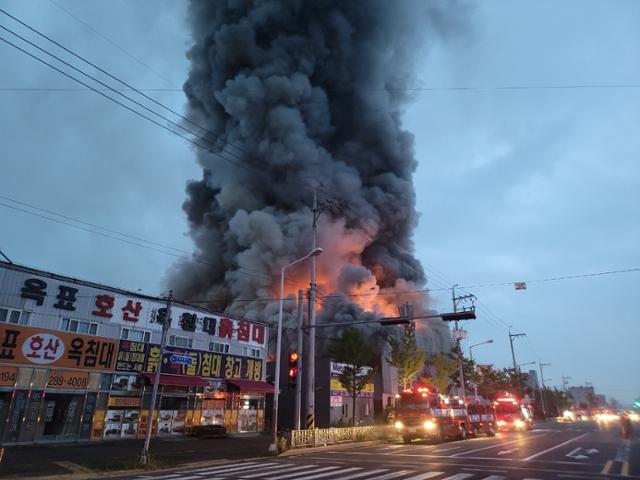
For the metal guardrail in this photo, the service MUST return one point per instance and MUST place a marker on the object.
(329, 436)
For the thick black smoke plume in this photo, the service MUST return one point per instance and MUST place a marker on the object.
(306, 93)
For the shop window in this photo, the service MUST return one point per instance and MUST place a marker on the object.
(182, 342)
(251, 352)
(10, 315)
(70, 325)
(135, 335)
(219, 347)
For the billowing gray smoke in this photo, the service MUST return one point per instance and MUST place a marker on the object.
(306, 93)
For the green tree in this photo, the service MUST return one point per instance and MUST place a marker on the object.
(492, 382)
(351, 349)
(443, 371)
(406, 356)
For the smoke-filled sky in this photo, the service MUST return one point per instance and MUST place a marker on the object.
(511, 184)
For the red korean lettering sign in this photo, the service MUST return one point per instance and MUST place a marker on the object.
(49, 348)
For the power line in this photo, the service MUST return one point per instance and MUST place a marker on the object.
(119, 47)
(124, 240)
(5, 257)
(386, 89)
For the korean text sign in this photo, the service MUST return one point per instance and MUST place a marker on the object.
(48, 348)
(137, 357)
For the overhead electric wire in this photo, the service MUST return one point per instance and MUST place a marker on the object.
(122, 49)
(470, 88)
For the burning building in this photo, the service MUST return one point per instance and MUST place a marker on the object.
(291, 98)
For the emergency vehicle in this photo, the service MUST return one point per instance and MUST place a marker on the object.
(421, 413)
(512, 414)
(482, 417)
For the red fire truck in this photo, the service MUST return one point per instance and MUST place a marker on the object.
(482, 417)
(421, 413)
(512, 414)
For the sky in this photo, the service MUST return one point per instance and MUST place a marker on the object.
(513, 184)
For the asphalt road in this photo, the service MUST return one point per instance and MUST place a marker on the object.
(555, 451)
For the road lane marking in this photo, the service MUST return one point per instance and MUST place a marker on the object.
(283, 468)
(327, 474)
(494, 477)
(361, 474)
(536, 455)
(162, 477)
(447, 449)
(625, 469)
(423, 476)
(218, 467)
(607, 467)
(391, 475)
(317, 470)
(494, 446)
(459, 476)
(238, 470)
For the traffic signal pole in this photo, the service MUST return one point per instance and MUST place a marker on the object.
(298, 402)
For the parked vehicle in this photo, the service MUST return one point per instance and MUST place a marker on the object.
(421, 413)
(482, 417)
(512, 414)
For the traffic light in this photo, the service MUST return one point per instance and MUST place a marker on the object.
(292, 374)
(464, 315)
(394, 321)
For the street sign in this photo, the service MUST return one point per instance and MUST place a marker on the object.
(181, 360)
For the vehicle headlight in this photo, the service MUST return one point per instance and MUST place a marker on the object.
(519, 423)
(501, 423)
(634, 417)
(398, 425)
(429, 425)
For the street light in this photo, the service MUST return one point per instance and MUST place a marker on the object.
(476, 345)
(525, 364)
(276, 391)
(475, 385)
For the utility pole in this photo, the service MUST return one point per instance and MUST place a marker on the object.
(458, 338)
(165, 319)
(540, 365)
(297, 409)
(311, 361)
(513, 355)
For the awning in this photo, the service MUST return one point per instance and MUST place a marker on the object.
(177, 380)
(251, 386)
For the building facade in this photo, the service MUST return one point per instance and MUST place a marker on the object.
(78, 361)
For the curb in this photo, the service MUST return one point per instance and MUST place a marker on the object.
(137, 471)
(336, 446)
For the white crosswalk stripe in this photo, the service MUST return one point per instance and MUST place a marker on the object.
(217, 468)
(391, 475)
(331, 474)
(362, 474)
(293, 475)
(283, 468)
(238, 469)
(424, 476)
(292, 470)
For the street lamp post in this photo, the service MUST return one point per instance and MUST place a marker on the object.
(475, 386)
(276, 390)
(477, 345)
(164, 317)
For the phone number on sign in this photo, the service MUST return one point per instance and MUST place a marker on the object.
(62, 380)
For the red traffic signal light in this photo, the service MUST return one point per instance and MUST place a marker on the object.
(293, 372)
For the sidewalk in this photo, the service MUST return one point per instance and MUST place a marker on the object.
(87, 459)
